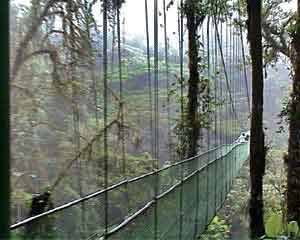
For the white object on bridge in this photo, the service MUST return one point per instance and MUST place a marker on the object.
(244, 137)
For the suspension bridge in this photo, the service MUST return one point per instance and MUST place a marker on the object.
(178, 197)
(189, 193)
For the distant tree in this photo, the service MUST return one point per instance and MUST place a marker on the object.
(198, 104)
(194, 16)
(257, 147)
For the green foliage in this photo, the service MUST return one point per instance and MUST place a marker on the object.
(218, 229)
(290, 104)
(15, 236)
(274, 200)
(206, 107)
(235, 210)
(275, 182)
(274, 225)
(293, 229)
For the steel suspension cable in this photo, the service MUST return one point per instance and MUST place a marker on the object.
(225, 72)
(122, 130)
(234, 84)
(231, 75)
(75, 110)
(239, 74)
(232, 62)
(219, 94)
(221, 104)
(215, 55)
(156, 107)
(244, 68)
(203, 105)
(121, 92)
(215, 87)
(208, 93)
(149, 78)
(92, 64)
(182, 142)
(113, 42)
(223, 116)
(228, 115)
(167, 79)
(105, 111)
(226, 107)
(156, 116)
(225, 95)
(221, 90)
(239, 82)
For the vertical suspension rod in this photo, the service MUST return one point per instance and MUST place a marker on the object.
(167, 78)
(182, 118)
(149, 78)
(105, 110)
(156, 114)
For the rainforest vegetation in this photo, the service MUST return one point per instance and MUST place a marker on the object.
(183, 112)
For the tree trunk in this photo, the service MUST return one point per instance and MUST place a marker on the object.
(293, 160)
(193, 127)
(257, 149)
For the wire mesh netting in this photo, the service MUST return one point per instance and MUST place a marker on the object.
(195, 214)
(190, 193)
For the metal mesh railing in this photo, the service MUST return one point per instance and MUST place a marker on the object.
(189, 194)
